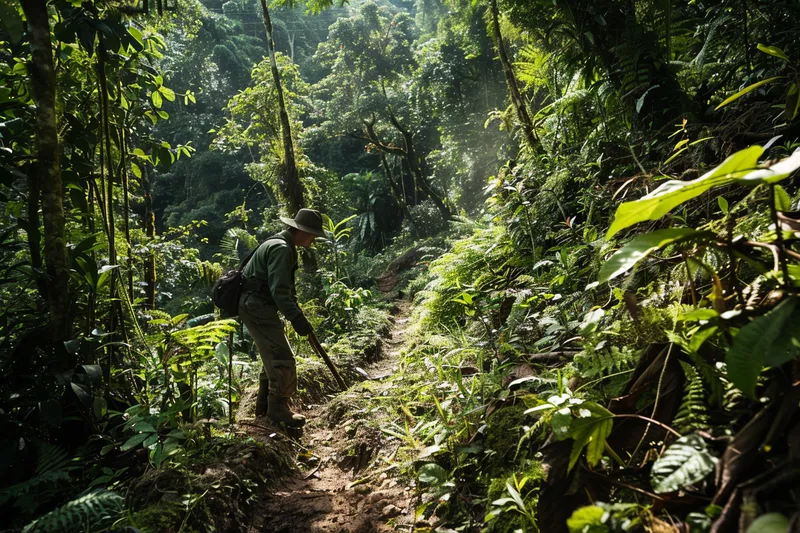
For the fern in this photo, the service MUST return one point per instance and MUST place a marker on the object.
(604, 362)
(85, 513)
(51, 468)
(236, 244)
(693, 412)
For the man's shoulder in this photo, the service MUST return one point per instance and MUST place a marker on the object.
(276, 241)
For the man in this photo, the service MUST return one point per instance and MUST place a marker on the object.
(269, 287)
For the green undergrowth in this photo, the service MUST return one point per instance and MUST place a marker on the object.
(217, 494)
(362, 345)
(529, 398)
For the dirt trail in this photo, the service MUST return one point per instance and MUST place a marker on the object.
(341, 488)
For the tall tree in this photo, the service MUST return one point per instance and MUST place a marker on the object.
(46, 174)
(520, 106)
(291, 186)
(370, 61)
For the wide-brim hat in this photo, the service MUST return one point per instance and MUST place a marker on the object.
(308, 220)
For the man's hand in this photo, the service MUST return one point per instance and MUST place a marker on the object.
(301, 325)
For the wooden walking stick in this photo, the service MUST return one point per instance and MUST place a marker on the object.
(314, 342)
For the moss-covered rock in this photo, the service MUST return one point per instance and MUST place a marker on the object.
(163, 518)
(504, 429)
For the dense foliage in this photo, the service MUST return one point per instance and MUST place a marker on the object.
(592, 204)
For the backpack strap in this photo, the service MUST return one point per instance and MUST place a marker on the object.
(246, 260)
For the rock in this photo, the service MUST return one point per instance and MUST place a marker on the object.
(390, 511)
(377, 496)
(362, 489)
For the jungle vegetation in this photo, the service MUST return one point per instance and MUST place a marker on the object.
(593, 207)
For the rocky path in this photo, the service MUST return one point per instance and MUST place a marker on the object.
(342, 488)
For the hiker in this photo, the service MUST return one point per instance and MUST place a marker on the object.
(268, 288)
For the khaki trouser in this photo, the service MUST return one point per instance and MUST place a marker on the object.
(267, 330)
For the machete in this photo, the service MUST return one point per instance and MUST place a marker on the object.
(312, 340)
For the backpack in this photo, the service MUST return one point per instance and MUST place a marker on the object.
(228, 288)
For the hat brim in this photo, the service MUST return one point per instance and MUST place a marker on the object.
(302, 227)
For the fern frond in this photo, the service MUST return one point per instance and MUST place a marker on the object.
(236, 244)
(51, 467)
(50, 458)
(84, 513)
(693, 412)
(604, 362)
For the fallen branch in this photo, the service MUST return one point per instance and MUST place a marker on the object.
(551, 357)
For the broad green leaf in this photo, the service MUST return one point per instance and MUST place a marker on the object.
(167, 93)
(696, 315)
(590, 427)
(699, 337)
(157, 100)
(105, 274)
(684, 463)
(640, 101)
(723, 204)
(515, 495)
(585, 517)
(134, 441)
(747, 354)
(626, 257)
(775, 173)
(786, 347)
(144, 427)
(769, 523)
(773, 51)
(560, 422)
(793, 100)
(748, 89)
(10, 20)
(136, 170)
(430, 450)
(783, 202)
(432, 473)
(137, 35)
(674, 192)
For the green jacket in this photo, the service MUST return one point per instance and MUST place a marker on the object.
(270, 273)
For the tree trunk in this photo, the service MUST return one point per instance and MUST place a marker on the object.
(48, 169)
(517, 101)
(413, 163)
(398, 194)
(150, 231)
(33, 233)
(291, 187)
(123, 172)
(116, 312)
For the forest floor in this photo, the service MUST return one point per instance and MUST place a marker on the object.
(339, 487)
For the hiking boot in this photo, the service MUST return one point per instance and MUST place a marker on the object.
(278, 411)
(263, 397)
